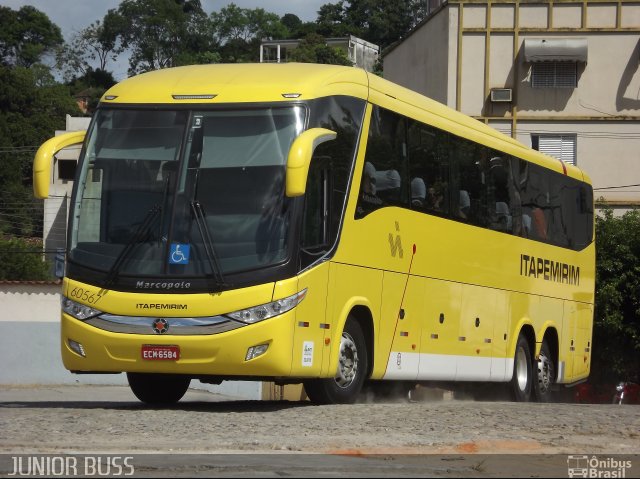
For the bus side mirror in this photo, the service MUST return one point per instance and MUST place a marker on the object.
(300, 158)
(44, 157)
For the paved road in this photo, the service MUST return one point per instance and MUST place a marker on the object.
(255, 438)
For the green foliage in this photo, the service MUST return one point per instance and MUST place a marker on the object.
(164, 33)
(616, 334)
(26, 35)
(313, 49)
(239, 31)
(381, 22)
(32, 107)
(91, 85)
(292, 23)
(99, 42)
(22, 260)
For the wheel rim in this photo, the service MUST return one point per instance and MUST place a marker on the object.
(348, 361)
(544, 373)
(522, 373)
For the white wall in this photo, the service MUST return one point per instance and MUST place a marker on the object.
(30, 343)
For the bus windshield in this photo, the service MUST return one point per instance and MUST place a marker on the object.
(179, 193)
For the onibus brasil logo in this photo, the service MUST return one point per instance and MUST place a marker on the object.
(585, 466)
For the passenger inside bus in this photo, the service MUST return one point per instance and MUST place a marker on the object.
(464, 204)
(418, 193)
(388, 185)
(436, 197)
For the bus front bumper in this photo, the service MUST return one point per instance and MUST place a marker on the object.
(86, 348)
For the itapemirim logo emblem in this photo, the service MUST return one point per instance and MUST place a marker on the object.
(594, 466)
(396, 243)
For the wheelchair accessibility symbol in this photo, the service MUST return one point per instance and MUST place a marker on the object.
(179, 253)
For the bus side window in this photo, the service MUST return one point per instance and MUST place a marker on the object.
(466, 181)
(344, 116)
(559, 217)
(317, 208)
(429, 169)
(498, 183)
(583, 226)
(384, 179)
(518, 219)
(535, 201)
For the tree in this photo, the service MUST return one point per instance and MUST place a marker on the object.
(291, 22)
(32, 107)
(333, 21)
(26, 35)
(91, 85)
(314, 49)
(239, 31)
(22, 260)
(92, 48)
(616, 332)
(165, 33)
(381, 22)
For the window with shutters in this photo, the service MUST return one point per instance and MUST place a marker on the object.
(554, 75)
(562, 147)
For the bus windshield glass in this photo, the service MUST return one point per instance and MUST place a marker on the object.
(183, 193)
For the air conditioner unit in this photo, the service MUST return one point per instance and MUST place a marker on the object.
(501, 95)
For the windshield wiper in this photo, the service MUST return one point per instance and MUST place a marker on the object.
(207, 242)
(140, 235)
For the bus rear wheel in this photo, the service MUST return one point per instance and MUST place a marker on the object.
(158, 388)
(522, 379)
(546, 375)
(345, 387)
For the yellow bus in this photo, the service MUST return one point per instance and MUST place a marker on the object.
(317, 224)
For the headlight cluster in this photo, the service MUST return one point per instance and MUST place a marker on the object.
(269, 310)
(247, 316)
(77, 310)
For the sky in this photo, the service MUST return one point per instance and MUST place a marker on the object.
(74, 15)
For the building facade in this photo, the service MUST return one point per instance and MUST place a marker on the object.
(560, 76)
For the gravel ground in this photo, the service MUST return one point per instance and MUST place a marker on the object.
(109, 419)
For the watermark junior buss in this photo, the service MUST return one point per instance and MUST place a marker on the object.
(68, 466)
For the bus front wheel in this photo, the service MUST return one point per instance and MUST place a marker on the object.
(345, 387)
(522, 380)
(158, 388)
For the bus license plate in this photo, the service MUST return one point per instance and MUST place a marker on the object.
(156, 352)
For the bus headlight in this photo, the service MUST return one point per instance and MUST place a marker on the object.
(77, 310)
(269, 310)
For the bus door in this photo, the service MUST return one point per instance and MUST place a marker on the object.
(403, 306)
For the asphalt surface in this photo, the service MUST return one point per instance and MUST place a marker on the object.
(208, 435)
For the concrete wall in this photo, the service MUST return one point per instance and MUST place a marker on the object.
(30, 344)
(608, 84)
(421, 61)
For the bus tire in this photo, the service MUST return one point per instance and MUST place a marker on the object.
(522, 380)
(546, 375)
(345, 387)
(158, 388)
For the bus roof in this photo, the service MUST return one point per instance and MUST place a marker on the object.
(240, 83)
(272, 82)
